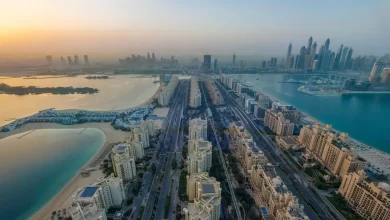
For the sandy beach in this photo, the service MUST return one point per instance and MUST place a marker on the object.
(64, 198)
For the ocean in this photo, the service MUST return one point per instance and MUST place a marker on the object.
(365, 117)
(35, 166)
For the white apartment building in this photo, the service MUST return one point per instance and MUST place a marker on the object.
(87, 211)
(198, 128)
(139, 132)
(195, 94)
(107, 192)
(199, 156)
(123, 163)
(204, 195)
(167, 92)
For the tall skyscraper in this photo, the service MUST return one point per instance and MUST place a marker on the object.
(86, 60)
(215, 64)
(289, 50)
(348, 62)
(148, 57)
(206, 63)
(301, 60)
(343, 57)
(331, 61)
(288, 55)
(234, 60)
(327, 44)
(314, 48)
(309, 45)
(312, 54)
(321, 55)
(153, 58)
(70, 62)
(63, 62)
(49, 60)
(76, 60)
(326, 60)
(336, 64)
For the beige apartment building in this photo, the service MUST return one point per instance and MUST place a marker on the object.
(198, 128)
(272, 194)
(332, 150)
(244, 146)
(199, 156)
(204, 196)
(369, 199)
(215, 95)
(195, 94)
(278, 123)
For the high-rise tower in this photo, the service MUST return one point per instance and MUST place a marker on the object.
(289, 50)
(86, 60)
(234, 60)
(343, 57)
(348, 62)
(309, 45)
(327, 43)
(336, 64)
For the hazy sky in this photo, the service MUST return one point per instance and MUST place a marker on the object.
(258, 27)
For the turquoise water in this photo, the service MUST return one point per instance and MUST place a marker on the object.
(34, 168)
(365, 116)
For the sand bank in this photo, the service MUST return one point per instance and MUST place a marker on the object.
(64, 198)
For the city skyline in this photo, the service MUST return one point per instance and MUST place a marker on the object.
(99, 27)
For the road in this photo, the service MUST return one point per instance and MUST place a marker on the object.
(162, 179)
(314, 208)
(222, 159)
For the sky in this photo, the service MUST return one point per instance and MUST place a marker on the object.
(254, 27)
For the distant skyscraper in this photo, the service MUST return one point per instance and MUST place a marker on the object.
(133, 57)
(206, 63)
(327, 44)
(173, 60)
(314, 48)
(70, 62)
(326, 60)
(331, 61)
(289, 50)
(321, 55)
(315, 65)
(234, 60)
(377, 69)
(76, 60)
(348, 62)
(148, 57)
(86, 60)
(242, 65)
(49, 60)
(343, 57)
(63, 62)
(153, 58)
(309, 45)
(336, 65)
(301, 60)
(288, 55)
(263, 63)
(312, 54)
(215, 64)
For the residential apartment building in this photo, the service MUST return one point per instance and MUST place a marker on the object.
(139, 133)
(204, 196)
(91, 202)
(199, 156)
(271, 192)
(215, 95)
(195, 94)
(278, 123)
(198, 128)
(168, 91)
(369, 199)
(332, 150)
(244, 146)
(288, 111)
(122, 162)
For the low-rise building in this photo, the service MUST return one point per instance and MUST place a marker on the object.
(369, 199)
(288, 143)
(204, 196)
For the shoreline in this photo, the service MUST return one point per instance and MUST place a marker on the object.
(374, 156)
(63, 198)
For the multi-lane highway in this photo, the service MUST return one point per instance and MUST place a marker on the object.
(162, 178)
(314, 207)
(222, 159)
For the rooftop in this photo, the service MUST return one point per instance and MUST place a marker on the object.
(89, 191)
(340, 144)
(208, 188)
(289, 140)
(120, 148)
